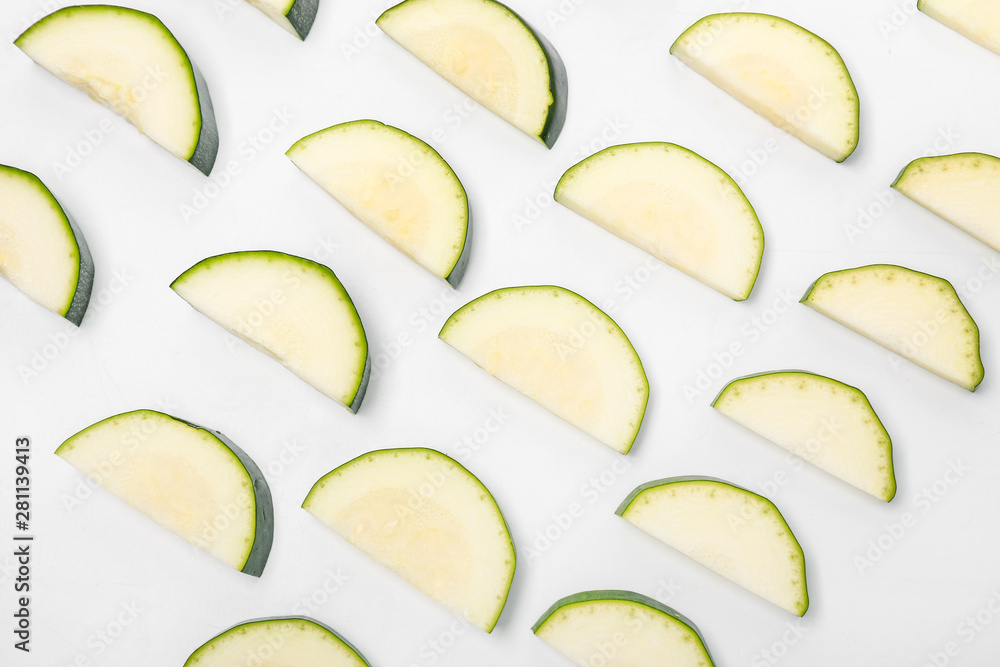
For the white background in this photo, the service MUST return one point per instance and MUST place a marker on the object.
(141, 346)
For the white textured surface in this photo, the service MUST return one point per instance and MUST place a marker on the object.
(142, 346)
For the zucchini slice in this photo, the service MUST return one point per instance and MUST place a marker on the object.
(964, 189)
(429, 520)
(190, 480)
(825, 422)
(397, 185)
(916, 315)
(130, 62)
(295, 16)
(675, 205)
(292, 309)
(561, 351)
(623, 628)
(277, 642)
(782, 71)
(491, 54)
(726, 528)
(42, 251)
(978, 20)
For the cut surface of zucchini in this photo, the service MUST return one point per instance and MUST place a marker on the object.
(294, 641)
(491, 54)
(130, 62)
(782, 71)
(825, 422)
(978, 20)
(42, 251)
(675, 205)
(190, 480)
(621, 628)
(561, 351)
(428, 519)
(916, 315)
(730, 530)
(964, 189)
(397, 185)
(293, 309)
